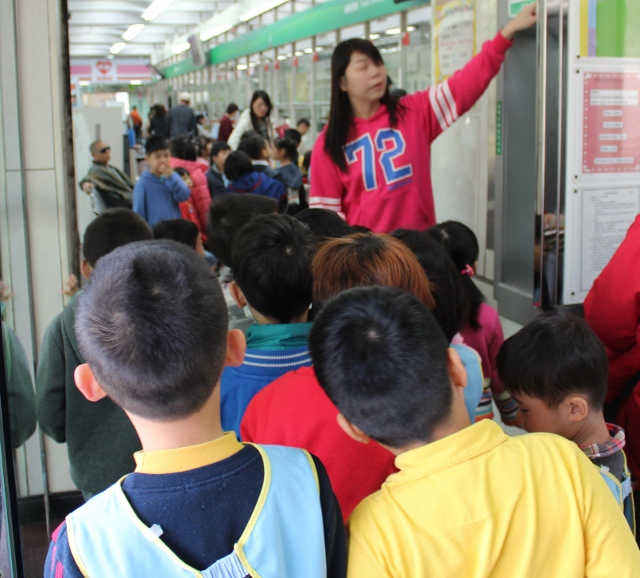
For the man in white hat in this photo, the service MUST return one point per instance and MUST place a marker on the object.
(182, 120)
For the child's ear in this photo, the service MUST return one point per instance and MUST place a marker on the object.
(351, 430)
(457, 372)
(236, 346)
(87, 384)
(85, 269)
(578, 408)
(238, 295)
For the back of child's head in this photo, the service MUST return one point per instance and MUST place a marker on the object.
(218, 147)
(451, 302)
(183, 147)
(154, 144)
(112, 229)
(290, 149)
(182, 172)
(462, 245)
(203, 145)
(381, 357)
(555, 355)
(179, 230)
(152, 325)
(228, 214)
(366, 259)
(253, 147)
(324, 224)
(272, 266)
(293, 135)
(237, 165)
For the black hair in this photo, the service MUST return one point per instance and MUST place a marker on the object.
(304, 121)
(156, 343)
(155, 143)
(159, 111)
(199, 117)
(462, 245)
(290, 149)
(255, 121)
(182, 172)
(232, 108)
(253, 146)
(179, 230)
(228, 214)
(341, 123)
(324, 224)
(452, 306)
(399, 92)
(112, 229)
(554, 356)
(203, 143)
(382, 359)
(183, 147)
(218, 147)
(294, 135)
(360, 229)
(237, 165)
(272, 266)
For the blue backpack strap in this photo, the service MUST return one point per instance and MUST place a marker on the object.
(622, 493)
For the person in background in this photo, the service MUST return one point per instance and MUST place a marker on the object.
(159, 191)
(227, 122)
(136, 120)
(243, 178)
(180, 231)
(257, 118)
(182, 120)
(272, 283)
(215, 175)
(152, 326)
(288, 173)
(158, 121)
(204, 151)
(556, 369)
(184, 153)
(468, 500)
(483, 331)
(324, 225)
(201, 121)
(186, 207)
(303, 126)
(100, 438)
(256, 148)
(294, 135)
(113, 186)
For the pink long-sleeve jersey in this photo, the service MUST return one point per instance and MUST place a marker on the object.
(388, 183)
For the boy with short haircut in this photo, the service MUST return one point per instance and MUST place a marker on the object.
(100, 438)
(255, 147)
(556, 369)
(181, 231)
(273, 283)
(215, 174)
(536, 507)
(199, 502)
(159, 190)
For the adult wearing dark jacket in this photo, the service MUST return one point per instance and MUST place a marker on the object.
(114, 187)
(182, 120)
(158, 121)
(219, 153)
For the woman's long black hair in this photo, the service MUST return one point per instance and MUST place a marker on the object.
(462, 245)
(255, 121)
(341, 115)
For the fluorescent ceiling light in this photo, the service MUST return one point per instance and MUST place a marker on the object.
(84, 83)
(298, 53)
(241, 67)
(260, 9)
(281, 57)
(374, 36)
(319, 48)
(410, 28)
(133, 31)
(308, 50)
(110, 56)
(117, 47)
(154, 9)
(215, 31)
(393, 31)
(136, 82)
(179, 48)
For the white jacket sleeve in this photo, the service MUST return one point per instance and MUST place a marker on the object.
(243, 125)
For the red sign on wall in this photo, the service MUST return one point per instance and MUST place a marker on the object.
(611, 123)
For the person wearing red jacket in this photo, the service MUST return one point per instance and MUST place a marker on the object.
(372, 161)
(612, 309)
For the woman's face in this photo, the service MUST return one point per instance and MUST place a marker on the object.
(260, 108)
(364, 79)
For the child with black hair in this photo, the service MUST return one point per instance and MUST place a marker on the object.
(483, 332)
(324, 224)
(272, 282)
(187, 207)
(244, 179)
(215, 175)
(294, 135)
(100, 439)
(288, 172)
(256, 148)
(556, 369)
(157, 350)
(468, 499)
(181, 231)
(451, 306)
(159, 190)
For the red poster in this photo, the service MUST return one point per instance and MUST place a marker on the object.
(611, 124)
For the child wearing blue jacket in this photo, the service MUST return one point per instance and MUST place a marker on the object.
(272, 283)
(159, 190)
(243, 178)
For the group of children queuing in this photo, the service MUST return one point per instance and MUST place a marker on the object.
(233, 423)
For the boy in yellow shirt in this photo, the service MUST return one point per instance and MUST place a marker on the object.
(556, 369)
(468, 501)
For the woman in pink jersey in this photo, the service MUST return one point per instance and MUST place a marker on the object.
(371, 163)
